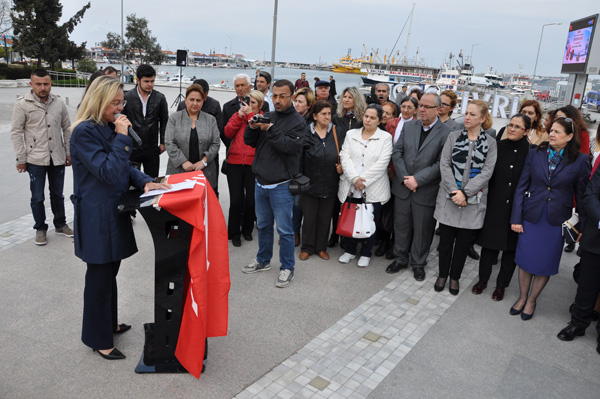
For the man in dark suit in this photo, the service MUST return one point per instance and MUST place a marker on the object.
(416, 160)
(589, 278)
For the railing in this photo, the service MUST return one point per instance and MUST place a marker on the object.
(69, 79)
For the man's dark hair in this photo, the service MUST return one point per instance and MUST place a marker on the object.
(145, 71)
(202, 83)
(266, 75)
(109, 70)
(40, 73)
(284, 83)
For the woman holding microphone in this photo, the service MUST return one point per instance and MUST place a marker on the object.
(100, 149)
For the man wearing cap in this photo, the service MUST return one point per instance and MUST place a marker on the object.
(322, 92)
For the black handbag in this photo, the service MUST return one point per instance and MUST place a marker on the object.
(224, 164)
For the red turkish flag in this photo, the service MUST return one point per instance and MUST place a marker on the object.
(205, 311)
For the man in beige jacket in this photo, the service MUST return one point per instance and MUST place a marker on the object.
(40, 134)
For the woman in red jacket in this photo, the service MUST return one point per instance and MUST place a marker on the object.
(240, 178)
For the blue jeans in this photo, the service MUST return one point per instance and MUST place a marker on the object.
(56, 182)
(275, 205)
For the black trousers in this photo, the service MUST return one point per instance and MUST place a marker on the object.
(454, 245)
(315, 227)
(100, 305)
(240, 180)
(587, 291)
(351, 244)
(335, 216)
(507, 266)
(148, 158)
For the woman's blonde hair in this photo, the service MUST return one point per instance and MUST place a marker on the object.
(258, 96)
(100, 94)
(360, 105)
(485, 113)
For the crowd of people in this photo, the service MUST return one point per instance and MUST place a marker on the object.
(409, 159)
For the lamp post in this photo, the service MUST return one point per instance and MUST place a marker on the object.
(540, 45)
(476, 44)
(274, 41)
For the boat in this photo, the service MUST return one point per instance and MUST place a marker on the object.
(348, 64)
(447, 79)
(495, 80)
(520, 82)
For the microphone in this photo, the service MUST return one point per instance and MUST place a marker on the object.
(132, 133)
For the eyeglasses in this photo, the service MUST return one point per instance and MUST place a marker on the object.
(117, 103)
(568, 120)
(282, 96)
(446, 105)
(427, 106)
(517, 127)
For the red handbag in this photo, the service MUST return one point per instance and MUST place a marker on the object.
(356, 219)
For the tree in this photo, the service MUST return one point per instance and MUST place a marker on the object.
(140, 39)
(5, 19)
(113, 41)
(35, 22)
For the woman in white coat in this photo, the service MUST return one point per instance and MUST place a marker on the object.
(365, 156)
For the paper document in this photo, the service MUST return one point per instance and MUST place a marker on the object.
(186, 185)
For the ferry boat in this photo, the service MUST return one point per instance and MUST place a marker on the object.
(398, 73)
(520, 82)
(447, 79)
(348, 64)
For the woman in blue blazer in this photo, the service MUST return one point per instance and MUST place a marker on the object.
(553, 173)
(100, 149)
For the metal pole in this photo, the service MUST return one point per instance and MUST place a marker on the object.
(476, 44)
(274, 40)
(539, 46)
(122, 49)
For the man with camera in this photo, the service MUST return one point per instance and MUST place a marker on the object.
(278, 138)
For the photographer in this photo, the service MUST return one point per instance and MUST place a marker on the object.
(278, 138)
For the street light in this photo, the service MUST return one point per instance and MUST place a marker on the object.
(540, 45)
(476, 44)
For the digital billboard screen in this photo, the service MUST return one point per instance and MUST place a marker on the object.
(579, 42)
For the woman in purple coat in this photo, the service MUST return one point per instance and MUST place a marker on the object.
(553, 173)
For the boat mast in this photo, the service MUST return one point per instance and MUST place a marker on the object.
(408, 36)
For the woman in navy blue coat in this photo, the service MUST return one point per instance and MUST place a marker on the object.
(100, 149)
(553, 173)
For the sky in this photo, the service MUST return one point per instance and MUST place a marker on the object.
(503, 35)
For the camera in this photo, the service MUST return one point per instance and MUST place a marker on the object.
(246, 100)
(260, 119)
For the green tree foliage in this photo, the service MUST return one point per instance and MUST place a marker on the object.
(113, 41)
(87, 65)
(139, 41)
(35, 22)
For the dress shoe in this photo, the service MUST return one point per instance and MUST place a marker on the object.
(236, 242)
(419, 273)
(395, 267)
(570, 247)
(478, 288)
(303, 255)
(439, 287)
(323, 255)
(381, 249)
(525, 316)
(296, 239)
(498, 294)
(472, 253)
(570, 332)
(453, 291)
(122, 328)
(248, 237)
(514, 311)
(115, 354)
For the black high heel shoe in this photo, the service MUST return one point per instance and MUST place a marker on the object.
(454, 291)
(122, 328)
(439, 288)
(115, 354)
(525, 316)
(514, 312)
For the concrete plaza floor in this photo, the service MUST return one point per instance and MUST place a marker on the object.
(337, 331)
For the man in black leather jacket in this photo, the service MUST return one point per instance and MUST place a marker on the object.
(148, 111)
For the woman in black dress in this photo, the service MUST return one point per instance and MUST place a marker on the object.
(496, 235)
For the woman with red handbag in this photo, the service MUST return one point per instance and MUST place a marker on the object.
(365, 156)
